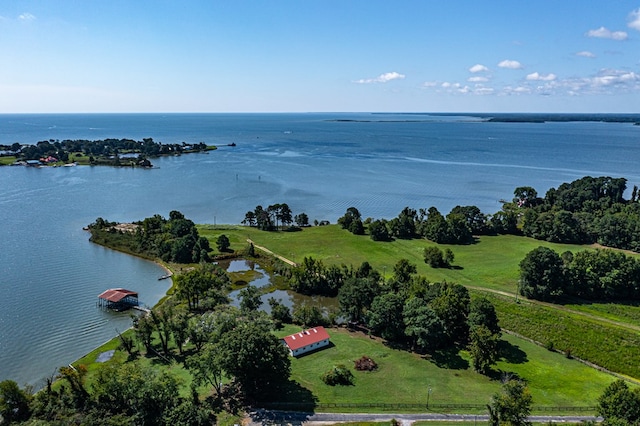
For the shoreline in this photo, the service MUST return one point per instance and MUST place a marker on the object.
(167, 294)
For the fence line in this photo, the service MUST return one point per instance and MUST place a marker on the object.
(301, 406)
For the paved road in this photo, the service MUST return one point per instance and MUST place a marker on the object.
(268, 417)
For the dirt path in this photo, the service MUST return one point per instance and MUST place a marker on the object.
(266, 250)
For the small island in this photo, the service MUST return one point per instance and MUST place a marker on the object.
(107, 152)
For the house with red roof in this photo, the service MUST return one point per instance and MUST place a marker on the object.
(307, 340)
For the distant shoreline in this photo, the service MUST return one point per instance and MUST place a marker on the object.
(507, 118)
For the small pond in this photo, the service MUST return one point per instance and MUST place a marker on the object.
(288, 298)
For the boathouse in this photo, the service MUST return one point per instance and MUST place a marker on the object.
(307, 341)
(118, 299)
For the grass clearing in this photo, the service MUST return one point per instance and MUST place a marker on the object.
(404, 378)
(490, 263)
(493, 264)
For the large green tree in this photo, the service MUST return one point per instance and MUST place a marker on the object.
(14, 402)
(255, 358)
(619, 405)
(542, 275)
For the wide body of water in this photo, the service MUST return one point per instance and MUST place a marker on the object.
(51, 275)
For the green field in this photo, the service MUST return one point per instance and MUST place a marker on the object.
(490, 263)
(404, 378)
(602, 333)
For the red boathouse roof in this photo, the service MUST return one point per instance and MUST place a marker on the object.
(115, 295)
(306, 337)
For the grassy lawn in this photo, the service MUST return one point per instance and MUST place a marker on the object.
(491, 263)
(612, 347)
(404, 377)
(7, 160)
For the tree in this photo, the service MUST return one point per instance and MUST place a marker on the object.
(352, 214)
(483, 313)
(422, 324)
(356, 296)
(542, 274)
(619, 403)
(385, 316)
(451, 304)
(250, 298)
(280, 314)
(483, 348)
(378, 230)
(223, 243)
(403, 269)
(206, 367)
(136, 391)
(249, 219)
(511, 406)
(437, 258)
(255, 357)
(435, 227)
(524, 196)
(301, 219)
(14, 402)
(308, 316)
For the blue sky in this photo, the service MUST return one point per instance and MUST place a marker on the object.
(319, 55)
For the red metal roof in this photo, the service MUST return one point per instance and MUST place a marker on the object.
(116, 294)
(306, 337)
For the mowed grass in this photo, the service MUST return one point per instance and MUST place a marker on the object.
(491, 263)
(404, 377)
(612, 347)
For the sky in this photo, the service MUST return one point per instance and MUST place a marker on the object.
(69, 56)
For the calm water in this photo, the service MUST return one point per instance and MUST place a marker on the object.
(51, 274)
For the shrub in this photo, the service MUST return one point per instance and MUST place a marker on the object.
(338, 375)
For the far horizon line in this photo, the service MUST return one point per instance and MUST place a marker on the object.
(326, 112)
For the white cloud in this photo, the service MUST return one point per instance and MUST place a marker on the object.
(603, 32)
(585, 54)
(616, 78)
(478, 68)
(429, 84)
(513, 65)
(26, 17)
(477, 79)
(540, 77)
(382, 78)
(483, 91)
(634, 20)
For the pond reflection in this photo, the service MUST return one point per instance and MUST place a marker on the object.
(289, 298)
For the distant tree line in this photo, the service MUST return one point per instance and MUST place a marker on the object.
(585, 211)
(173, 240)
(458, 227)
(587, 274)
(99, 150)
(588, 210)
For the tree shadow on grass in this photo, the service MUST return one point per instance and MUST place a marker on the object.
(291, 396)
(512, 353)
(449, 358)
